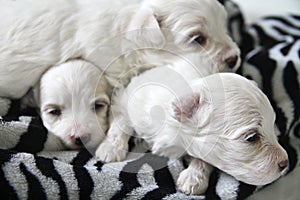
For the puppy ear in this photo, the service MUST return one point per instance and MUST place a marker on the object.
(185, 107)
(144, 30)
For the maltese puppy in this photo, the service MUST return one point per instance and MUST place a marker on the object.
(73, 99)
(120, 37)
(222, 120)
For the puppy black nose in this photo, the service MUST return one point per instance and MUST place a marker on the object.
(283, 164)
(231, 61)
(80, 141)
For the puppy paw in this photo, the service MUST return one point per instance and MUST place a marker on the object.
(192, 182)
(108, 152)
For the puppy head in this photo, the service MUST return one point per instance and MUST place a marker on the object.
(74, 100)
(179, 27)
(231, 125)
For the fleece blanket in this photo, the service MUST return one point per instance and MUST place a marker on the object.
(34, 164)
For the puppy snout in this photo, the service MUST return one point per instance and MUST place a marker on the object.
(231, 61)
(283, 164)
(80, 141)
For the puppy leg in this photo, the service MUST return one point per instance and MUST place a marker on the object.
(115, 145)
(194, 179)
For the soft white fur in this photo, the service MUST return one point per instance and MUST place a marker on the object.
(80, 93)
(120, 37)
(223, 120)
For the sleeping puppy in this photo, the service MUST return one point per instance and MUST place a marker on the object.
(73, 99)
(120, 37)
(222, 120)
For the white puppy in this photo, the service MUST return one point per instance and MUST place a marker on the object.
(117, 36)
(73, 99)
(222, 120)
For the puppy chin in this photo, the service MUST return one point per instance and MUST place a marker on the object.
(258, 177)
(262, 170)
(92, 144)
(70, 145)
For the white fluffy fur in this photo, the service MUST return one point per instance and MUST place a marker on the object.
(73, 98)
(120, 37)
(222, 119)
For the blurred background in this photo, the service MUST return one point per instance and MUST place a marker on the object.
(254, 9)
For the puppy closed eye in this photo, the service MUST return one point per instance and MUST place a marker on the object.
(98, 106)
(252, 138)
(55, 112)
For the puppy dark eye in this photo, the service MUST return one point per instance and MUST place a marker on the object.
(252, 138)
(98, 106)
(200, 39)
(55, 112)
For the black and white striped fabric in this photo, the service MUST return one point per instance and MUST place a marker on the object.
(34, 165)
(274, 63)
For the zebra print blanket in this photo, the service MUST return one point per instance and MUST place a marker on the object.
(272, 59)
(34, 165)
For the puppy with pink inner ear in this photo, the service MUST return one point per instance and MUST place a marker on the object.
(73, 99)
(222, 120)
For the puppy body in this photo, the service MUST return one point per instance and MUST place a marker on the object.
(120, 37)
(222, 119)
(73, 99)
